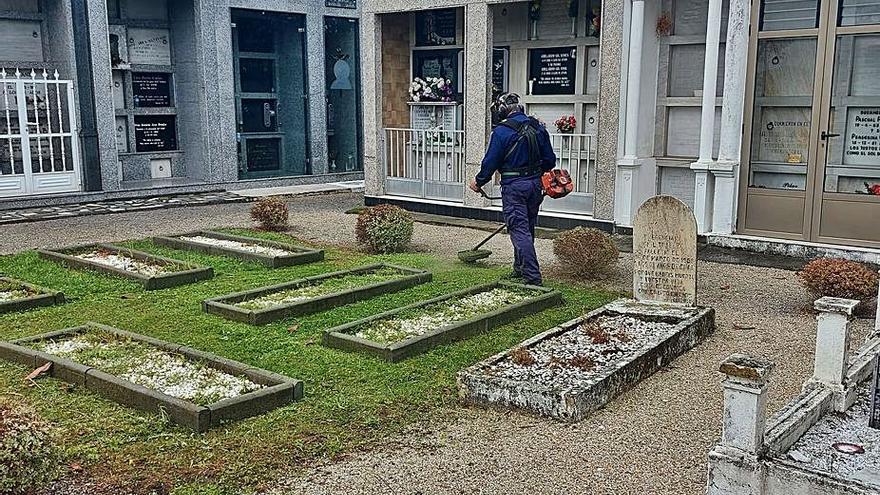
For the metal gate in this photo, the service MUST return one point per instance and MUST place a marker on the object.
(39, 149)
(424, 163)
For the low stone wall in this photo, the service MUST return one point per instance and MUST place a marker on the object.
(341, 338)
(43, 297)
(478, 386)
(190, 274)
(226, 307)
(279, 390)
(300, 255)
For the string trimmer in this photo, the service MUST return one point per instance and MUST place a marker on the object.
(477, 254)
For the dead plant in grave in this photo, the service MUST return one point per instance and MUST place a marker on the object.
(522, 357)
(585, 363)
(598, 334)
(586, 252)
(270, 213)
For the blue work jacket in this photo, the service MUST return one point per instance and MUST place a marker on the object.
(499, 145)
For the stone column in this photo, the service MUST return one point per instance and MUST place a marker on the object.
(745, 402)
(726, 169)
(704, 190)
(832, 341)
(628, 166)
(371, 79)
(102, 81)
(317, 94)
(477, 93)
(608, 112)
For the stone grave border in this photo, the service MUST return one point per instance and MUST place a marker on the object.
(191, 274)
(43, 297)
(573, 404)
(340, 338)
(300, 255)
(225, 305)
(280, 390)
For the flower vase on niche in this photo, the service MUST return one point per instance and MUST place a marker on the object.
(332, 155)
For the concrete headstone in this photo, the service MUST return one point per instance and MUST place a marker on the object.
(665, 252)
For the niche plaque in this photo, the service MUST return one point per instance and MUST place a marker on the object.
(151, 89)
(552, 71)
(155, 133)
(149, 46)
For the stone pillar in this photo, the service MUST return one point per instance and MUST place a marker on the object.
(745, 402)
(877, 317)
(371, 80)
(102, 82)
(608, 112)
(832, 341)
(317, 93)
(726, 169)
(628, 166)
(477, 93)
(704, 190)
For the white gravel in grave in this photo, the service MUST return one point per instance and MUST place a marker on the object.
(12, 295)
(237, 245)
(629, 336)
(814, 451)
(162, 371)
(122, 262)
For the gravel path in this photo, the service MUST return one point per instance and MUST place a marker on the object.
(652, 439)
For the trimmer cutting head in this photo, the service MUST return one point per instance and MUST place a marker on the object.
(474, 255)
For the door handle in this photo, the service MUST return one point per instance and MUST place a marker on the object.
(268, 113)
(825, 135)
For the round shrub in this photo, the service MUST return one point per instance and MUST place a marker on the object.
(28, 456)
(384, 228)
(270, 213)
(836, 277)
(586, 252)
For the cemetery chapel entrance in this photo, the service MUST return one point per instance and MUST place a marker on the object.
(812, 136)
(271, 95)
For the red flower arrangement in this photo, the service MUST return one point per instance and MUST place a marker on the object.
(566, 124)
(873, 190)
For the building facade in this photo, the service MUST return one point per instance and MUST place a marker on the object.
(135, 97)
(762, 115)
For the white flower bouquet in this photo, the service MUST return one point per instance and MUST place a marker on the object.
(431, 89)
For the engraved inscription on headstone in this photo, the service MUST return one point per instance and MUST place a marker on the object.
(665, 252)
(436, 27)
(552, 71)
(149, 46)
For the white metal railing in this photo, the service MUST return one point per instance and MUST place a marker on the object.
(427, 163)
(575, 153)
(39, 152)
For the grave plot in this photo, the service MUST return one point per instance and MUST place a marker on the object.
(16, 295)
(269, 253)
(314, 294)
(571, 370)
(195, 389)
(151, 271)
(401, 333)
(825, 441)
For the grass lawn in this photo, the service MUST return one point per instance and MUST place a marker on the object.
(351, 400)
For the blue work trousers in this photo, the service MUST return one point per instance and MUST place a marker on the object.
(521, 199)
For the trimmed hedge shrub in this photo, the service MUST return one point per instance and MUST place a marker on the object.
(384, 229)
(836, 277)
(270, 213)
(28, 455)
(586, 252)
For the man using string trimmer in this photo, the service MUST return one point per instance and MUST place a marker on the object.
(521, 150)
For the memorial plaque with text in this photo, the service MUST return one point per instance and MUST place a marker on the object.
(151, 89)
(863, 137)
(552, 71)
(436, 27)
(665, 252)
(155, 133)
(149, 46)
(500, 58)
(341, 4)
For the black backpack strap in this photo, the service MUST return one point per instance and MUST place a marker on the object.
(527, 131)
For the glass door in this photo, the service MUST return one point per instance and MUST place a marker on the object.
(344, 130)
(848, 194)
(814, 144)
(270, 94)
